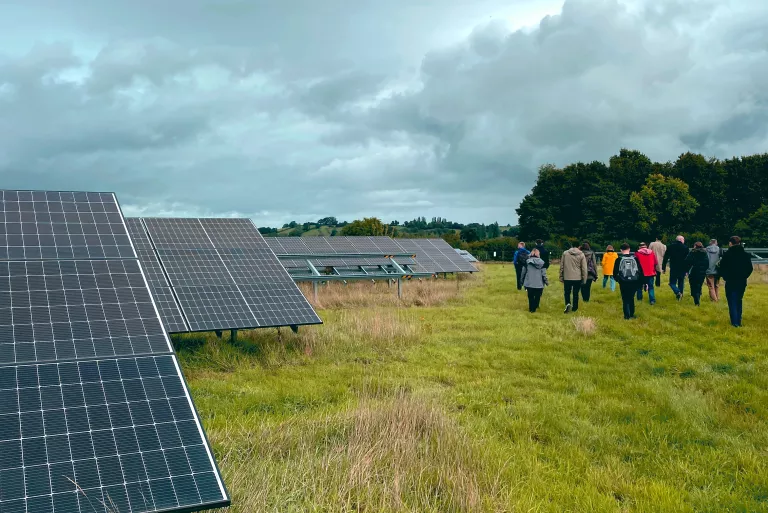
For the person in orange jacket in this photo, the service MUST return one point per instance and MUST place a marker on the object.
(608, 261)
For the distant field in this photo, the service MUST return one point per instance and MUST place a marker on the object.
(469, 403)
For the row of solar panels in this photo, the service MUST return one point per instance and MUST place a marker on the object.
(431, 255)
(95, 415)
(466, 255)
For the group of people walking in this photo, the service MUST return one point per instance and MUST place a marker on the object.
(640, 272)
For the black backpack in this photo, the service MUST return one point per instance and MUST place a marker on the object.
(522, 258)
(628, 269)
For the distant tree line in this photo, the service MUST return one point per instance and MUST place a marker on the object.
(632, 198)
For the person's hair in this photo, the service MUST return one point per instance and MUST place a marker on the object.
(680, 238)
(624, 246)
(698, 244)
(609, 248)
(712, 241)
(535, 252)
(735, 240)
(539, 241)
(521, 244)
(585, 246)
(642, 245)
(658, 237)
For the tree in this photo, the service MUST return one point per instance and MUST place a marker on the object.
(452, 238)
(469, 234)
(366, 226)
(663, 205)
(754, 229)
(327, 221)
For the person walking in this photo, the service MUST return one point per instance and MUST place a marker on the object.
(543, 252)
(675, 255)
(608, 261)
(586, 288)
(697, 264)
(714, 253)
(628, 273)
(648, 265)
(534, 279)
(735, 268)
(573, 274)
(659, 249)
(521, 256)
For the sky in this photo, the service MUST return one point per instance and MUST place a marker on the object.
(301, 109)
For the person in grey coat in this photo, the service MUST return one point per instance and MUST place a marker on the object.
(534, 276)
(714, 253)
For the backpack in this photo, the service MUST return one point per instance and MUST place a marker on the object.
(628, 269)
(522, 258)
(591, 271)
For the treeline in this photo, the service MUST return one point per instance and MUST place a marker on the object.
(632, 198)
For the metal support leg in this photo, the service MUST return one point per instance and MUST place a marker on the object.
(294, 328)
(399, 288)
(218, 333)
(314, 290)
(233, 335)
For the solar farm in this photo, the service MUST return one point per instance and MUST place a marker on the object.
(95, 414)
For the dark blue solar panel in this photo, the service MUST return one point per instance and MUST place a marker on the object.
(94, 413)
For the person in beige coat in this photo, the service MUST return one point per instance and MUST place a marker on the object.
(658, 248)
(573, 274)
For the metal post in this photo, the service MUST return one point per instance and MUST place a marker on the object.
(233, 336)
(218, 333)
(399, 288)
(314, 290)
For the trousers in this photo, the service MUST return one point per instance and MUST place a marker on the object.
(571, 289)
(677, 282)
(534, 298)
(696, 282)
(647, 280)
(613, 282)
(628, 291)
(586, 290)
(713, 284)
(734, 293)
(519, 272)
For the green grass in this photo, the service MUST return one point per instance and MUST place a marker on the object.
(477, 405)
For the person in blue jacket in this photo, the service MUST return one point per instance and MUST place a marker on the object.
(520, 259)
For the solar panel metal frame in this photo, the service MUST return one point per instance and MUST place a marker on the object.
(218, 274)
(39, 380)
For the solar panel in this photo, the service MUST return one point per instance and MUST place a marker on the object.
(170, 312)
(94, 413)
(224, 275)
(457, 262)
(424, 259)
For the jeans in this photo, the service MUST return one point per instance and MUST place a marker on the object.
(647, 280)
(713, 284)
(534, 298)
(572, 288)
(734, 293)
(613, 282)
(628, 291)
(519, 272)
(696, 283)
(586, 290)
(677, 283)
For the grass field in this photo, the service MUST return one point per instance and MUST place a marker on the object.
(463, 401)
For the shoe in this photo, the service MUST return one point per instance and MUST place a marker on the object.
(679, 296)
(574, 310)
(633, 317)
(567, 308)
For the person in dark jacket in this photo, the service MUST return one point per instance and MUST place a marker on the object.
(697, 263)
(534, 279)
(735, 268)
(586, 288)
(629, 278)
(676, 254)
(521, 256)
(543, 252)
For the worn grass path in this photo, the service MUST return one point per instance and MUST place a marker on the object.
(477, 405)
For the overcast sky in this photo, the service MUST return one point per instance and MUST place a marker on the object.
(286, 110)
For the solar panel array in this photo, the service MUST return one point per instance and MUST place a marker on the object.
(95, 415)
(466, 255)
(217, 274)
(432, 255)
(342, 245)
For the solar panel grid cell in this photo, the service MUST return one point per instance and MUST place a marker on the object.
(458, 264)
(424, 260)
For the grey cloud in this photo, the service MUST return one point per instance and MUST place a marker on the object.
(298, 110)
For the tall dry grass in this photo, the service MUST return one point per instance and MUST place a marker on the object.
(357, 294)
(402, 453)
